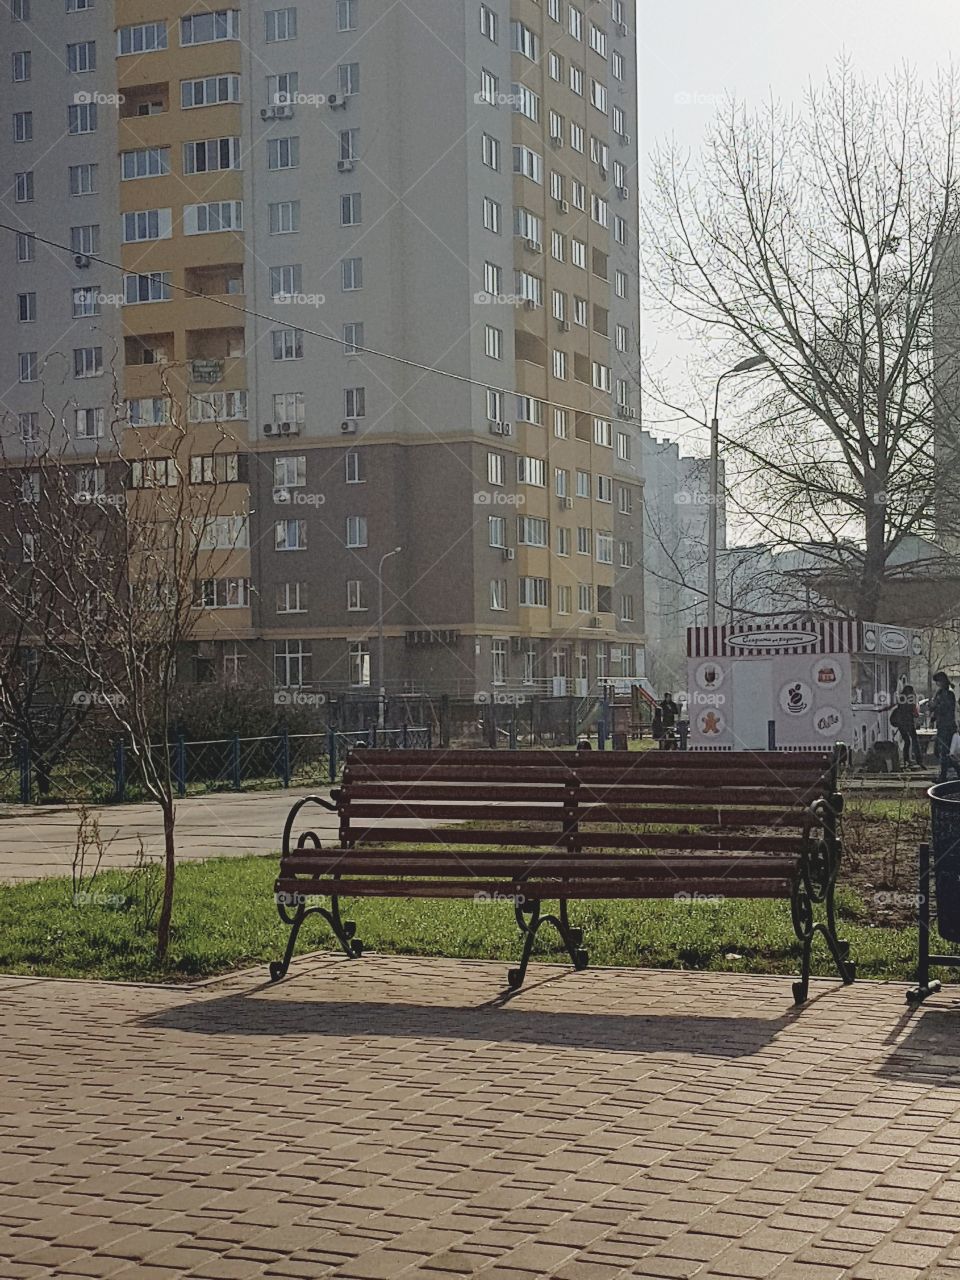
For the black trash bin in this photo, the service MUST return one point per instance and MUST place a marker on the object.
(945, 849)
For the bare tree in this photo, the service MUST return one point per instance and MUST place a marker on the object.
(108, 556)
(822, 238)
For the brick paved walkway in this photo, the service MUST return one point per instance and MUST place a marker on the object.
(610, 1123)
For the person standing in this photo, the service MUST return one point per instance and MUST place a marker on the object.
(943, 712)
(670, 711)
(904, 717)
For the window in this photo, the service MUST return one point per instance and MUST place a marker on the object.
(147, 162)
(553, 10)
(82, 57)
(349, 144)
(359, 658)
(290, 535)
(87, 362)
(346, 15)
(351, 210)
(83, 179)
(355, 595)
(493, 342)
(351, 467)
(564, 599)
(529, 409)
(26, 308)
(624, 500)
(348, 78)
(576, 79)
(352, 338)
(604, 489)
(492, 215)
(221, 593)
(211, 154)
(497, 531)
(583, 484)
(601, 376)
(585, 598)
(217, 215)
(598, 40)
(575, 20)
(22, 66)
(527, 225)
(559, 305)
(147, 224)
(491, 152)
(530, 288)
(626, 608)
(580, 311)
(556, 128)
(620, 229)
(205, 28)
(281, 25)
(290, 472)
(145, 37)
(560, 365)
(154, 473)
(286, 282)
(89, 424)
(579, 193)
(616, 65)
(498, 660)
(529, 163)
(526, 102)
(604, 548)
(351, 274)
(210, 91)
(531, 471)
(218, 406)
(525, 41)
(86, 301)
(494, 405)
(563, 541)
(561, 481)
(291, 597)
(534, 592)
(356, 531)
(284, 217)
(26, 246)
(620, 284)
(583, 541)
(291, 663)
(23, 126)
(623, 446)
(82, 118)
(288, 406)
(621, 337)
(354, 402)
(619, 122)
(30, 487)
(147, 288)
(23, 187)
(488, 23)
(599, 210)
(603, 432)
(30, 548)
(492, 279)
(283, 153)
(498, 593)
(215, 468)
(495, 468)
(27, 366)
(598, 95)
(287, 344)
(560, 423)
(576, 137)
(532, 531)
(151, 411)
(28, 427)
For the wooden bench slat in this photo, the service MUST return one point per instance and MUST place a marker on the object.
(585, 760)
(495, 811)
(458, 835)
(664, 887)
(365, 860)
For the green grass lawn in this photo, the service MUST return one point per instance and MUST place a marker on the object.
(225, 919)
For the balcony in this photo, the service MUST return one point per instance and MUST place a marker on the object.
(206, 370)
(143, 100)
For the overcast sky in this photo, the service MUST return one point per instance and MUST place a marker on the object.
(692, 52)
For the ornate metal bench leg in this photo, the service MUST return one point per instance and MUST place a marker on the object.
(802, 987)
(528, 929)
(344, 930)
(571, 936)
(278, 968)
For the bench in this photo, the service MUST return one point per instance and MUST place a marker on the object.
(536, 827)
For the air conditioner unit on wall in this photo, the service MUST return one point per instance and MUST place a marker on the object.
(336, 100)
(348, 428)
(564, 326)
(346, 166)
(509, 553)
(269, 429)
(567, 504)
(623, 193)
(81, 260)
(268, 113)
(284, 111)
(288, 428)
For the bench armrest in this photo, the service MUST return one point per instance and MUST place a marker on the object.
(291, 816)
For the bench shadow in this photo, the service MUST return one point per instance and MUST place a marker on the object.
(930, 1051)
(502, 1020)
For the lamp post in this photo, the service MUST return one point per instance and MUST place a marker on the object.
(752, 362)
(382, 700)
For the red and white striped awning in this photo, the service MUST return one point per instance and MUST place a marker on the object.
(775, 638)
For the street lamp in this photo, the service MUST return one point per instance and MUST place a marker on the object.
(382, 702)
(751, 362)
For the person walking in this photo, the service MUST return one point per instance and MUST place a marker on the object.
(943, 712)
(670, 711)
(905, 717)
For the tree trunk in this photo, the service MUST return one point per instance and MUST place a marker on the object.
(169, 873)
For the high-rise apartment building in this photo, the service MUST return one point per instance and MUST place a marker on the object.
(252, 201)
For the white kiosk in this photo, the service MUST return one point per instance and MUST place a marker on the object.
(795, 685)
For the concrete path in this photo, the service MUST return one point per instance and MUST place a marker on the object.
(386, 1118)
(40, 840)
